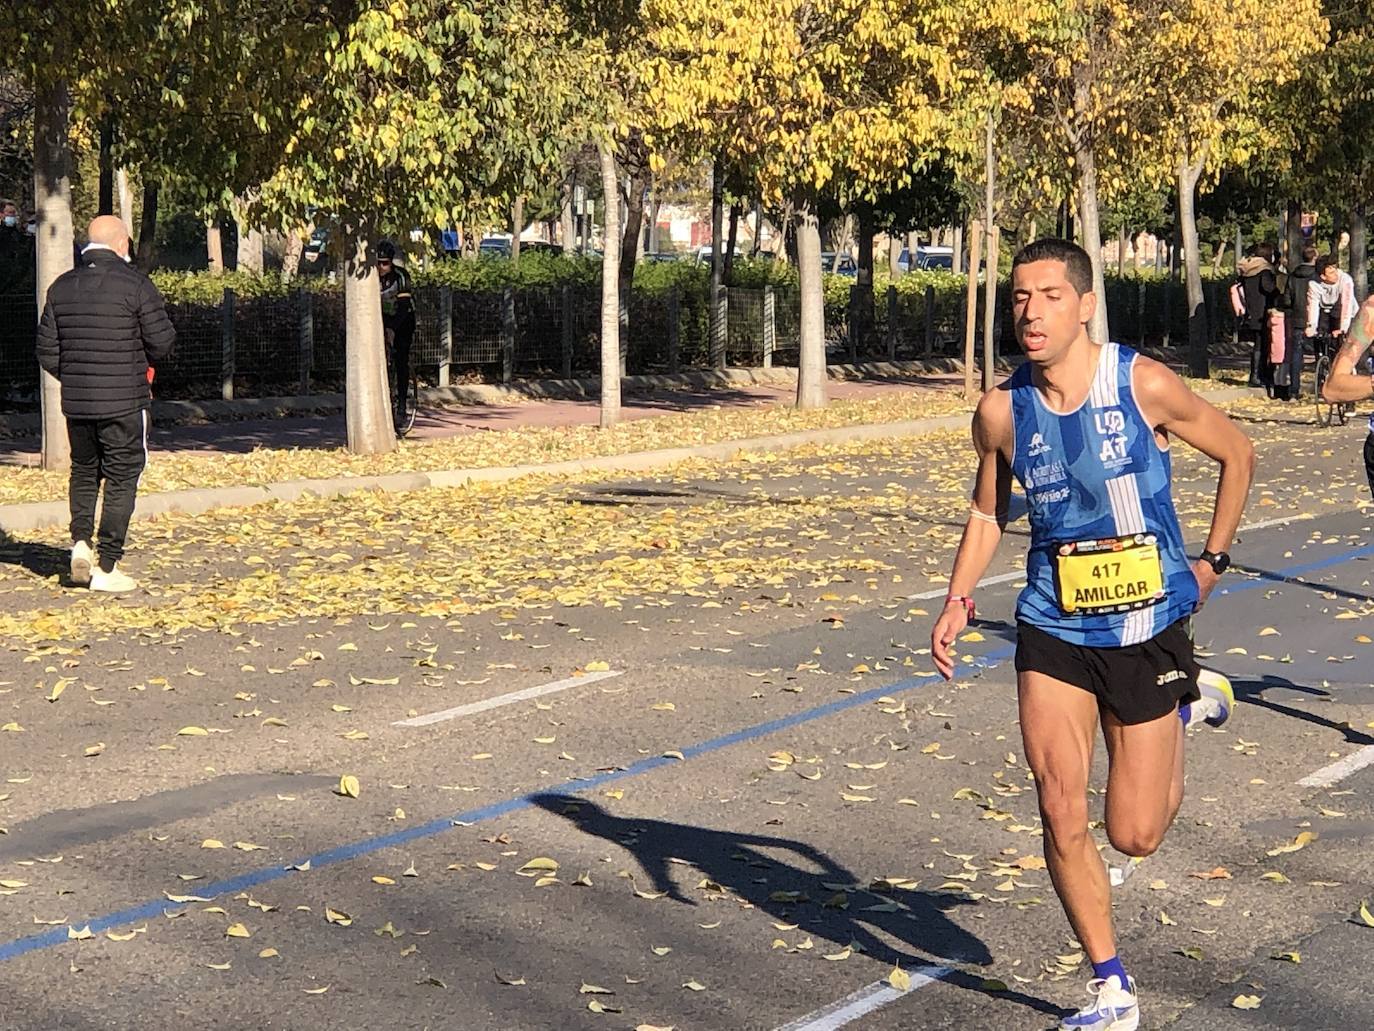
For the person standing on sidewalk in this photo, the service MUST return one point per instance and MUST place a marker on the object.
(1348, 382)
(1103, 622)
(103, 327)
(1259, 282)
(1294, 305)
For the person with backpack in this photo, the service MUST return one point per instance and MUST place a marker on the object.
(1259, 290)
(1294, 305)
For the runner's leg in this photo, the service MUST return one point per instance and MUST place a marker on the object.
(1059, 731)
(1141, 802)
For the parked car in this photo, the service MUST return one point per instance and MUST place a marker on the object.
(928, 258)
(846, 267)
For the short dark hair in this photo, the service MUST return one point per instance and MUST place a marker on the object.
(1325, 262)
(1078, 267)
(1309, 254)
(1266, 250)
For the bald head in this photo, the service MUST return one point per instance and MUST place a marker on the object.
(109, 230)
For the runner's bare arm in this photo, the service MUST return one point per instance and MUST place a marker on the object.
(1345, 382)
(992, 439)
(1169, 405)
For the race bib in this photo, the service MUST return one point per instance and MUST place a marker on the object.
(1113, 575)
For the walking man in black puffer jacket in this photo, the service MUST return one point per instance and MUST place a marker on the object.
(103, 326)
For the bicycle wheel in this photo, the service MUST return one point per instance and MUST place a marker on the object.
(1324, 410)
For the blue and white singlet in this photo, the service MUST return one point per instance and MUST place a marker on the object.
(1096, 474)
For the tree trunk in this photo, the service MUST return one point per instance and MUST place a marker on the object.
(758, 229)
(610, 295)
(632, 235)
(106, 199)
(52, 195)
(1359, 251)
(842, 241)
(1122, 241)
(811, 361)
(147, 227)
(975, 239)
(1295, 240)
(250, 249)
(1197, 311)
(1086, 165)
(214, 246)
(716, 316)
(990, 310)
(291, 257)
(894, 256)
(517, 226)
(126, 200)
(866, 309)
(1219, 257)
(655, 244)
(367, 397)
(567, 222)
(732, 240)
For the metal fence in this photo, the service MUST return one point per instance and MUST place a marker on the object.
(294, 344)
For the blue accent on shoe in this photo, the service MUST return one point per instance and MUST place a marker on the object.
(1108, 967)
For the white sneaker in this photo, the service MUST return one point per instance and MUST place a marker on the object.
(113, 582)
(1217, 701)
(83, 561)
(1113, 1008)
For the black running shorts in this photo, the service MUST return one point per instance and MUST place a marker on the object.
(1137, 683)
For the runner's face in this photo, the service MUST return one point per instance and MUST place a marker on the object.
(1050, 313)
(1330, 274)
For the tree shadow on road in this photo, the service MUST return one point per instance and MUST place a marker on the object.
(1265, 574)
(40, 559)
(1252, 692)
(813, 891)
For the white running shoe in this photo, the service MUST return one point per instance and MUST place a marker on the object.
(1217, 701)
(1113, 1008)
(83, 561)
(113, 582)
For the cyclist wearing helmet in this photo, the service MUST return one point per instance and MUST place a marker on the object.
(398, 322)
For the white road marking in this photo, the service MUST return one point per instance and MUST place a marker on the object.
(864, 1001)
(1328, 776)
(1284, 521)
(987, 581)
(507, 699)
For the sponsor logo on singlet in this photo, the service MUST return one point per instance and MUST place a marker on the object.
(1113, 450)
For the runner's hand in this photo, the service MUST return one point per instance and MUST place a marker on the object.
(951, 623)
(1207, 578)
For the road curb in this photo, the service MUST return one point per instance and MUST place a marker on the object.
(42, 514)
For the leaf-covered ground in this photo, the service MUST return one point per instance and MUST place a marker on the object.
(528, 445)
(244, 708)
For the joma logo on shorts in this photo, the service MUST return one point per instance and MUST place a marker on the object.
(1170, 677)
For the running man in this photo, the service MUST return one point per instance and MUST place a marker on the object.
(1103, 623)
(1347, 383)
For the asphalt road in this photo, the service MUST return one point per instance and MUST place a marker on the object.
(728, 792)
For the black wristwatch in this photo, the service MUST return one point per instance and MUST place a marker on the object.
(1218, 560)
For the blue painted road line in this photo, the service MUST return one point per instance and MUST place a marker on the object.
(343, 853)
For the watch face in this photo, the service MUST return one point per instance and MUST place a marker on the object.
(1221, 562)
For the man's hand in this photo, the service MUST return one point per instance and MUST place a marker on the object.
(1207, 579)
(951, 623)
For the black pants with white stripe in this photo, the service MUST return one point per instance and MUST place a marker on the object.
(114, 451)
